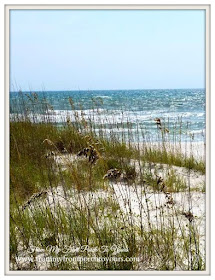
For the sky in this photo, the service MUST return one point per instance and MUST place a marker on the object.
(107, 49)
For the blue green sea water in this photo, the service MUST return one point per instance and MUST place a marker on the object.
(182, 110)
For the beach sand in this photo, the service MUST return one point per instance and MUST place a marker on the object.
(197, 149)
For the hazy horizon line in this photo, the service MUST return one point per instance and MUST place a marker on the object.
(79, 90)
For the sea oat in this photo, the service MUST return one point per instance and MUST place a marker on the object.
(90, 153)
(49, 142)
(33, 198)
(158, 121)
(112, 174)
(188, 215)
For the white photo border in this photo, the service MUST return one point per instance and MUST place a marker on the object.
(207, 9)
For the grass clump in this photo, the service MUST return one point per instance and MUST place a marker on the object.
(153, 154)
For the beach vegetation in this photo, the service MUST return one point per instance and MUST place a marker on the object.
(72, 186)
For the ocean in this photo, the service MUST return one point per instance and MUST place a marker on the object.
(182, 110)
